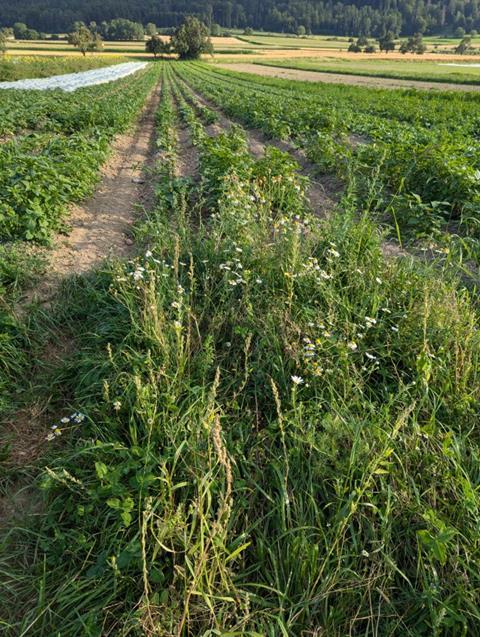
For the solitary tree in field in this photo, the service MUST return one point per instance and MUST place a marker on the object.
(191, 39)
(301, 31)
(414, 44)
(387, 42)
(84, 40)
(465, 46)
(354, 48)
(157, 46)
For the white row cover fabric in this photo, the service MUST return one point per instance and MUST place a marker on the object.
(72, 81)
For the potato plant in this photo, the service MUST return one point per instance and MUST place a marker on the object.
(270, 427)
(56, 146)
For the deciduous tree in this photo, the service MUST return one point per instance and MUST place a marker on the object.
(84, 40)
(151, 29)
(387, 42)
(3, 41)
(158, 46)
(191, 39)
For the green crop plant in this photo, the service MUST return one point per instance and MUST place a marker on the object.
(270, 427)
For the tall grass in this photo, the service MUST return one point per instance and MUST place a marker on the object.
(279, 433)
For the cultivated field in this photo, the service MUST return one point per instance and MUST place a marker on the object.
(288, 72)
(239, 358)
(439, 70)
(262, 46)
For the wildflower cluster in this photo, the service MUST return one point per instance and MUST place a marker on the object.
(67, 422)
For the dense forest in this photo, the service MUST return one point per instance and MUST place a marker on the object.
(340, 17)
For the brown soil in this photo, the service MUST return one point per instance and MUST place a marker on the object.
(338, 78)
(187, 162)
(100, 226)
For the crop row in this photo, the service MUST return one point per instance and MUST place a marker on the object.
(277, 430)
(43, 170)
(405, 155)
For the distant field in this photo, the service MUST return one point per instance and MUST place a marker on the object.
(396, 68)
(285, 41)
(132, 48)
(326, 50)
(18, 68)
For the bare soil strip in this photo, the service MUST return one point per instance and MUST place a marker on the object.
(187, 157)
(100, 226)
(339, 78)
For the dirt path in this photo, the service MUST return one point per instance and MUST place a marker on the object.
(339, 78)
(100, 226)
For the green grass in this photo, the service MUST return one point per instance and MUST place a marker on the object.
(397, 69)
(280, 424)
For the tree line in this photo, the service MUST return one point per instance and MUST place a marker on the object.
(188, 41)
(374, 18)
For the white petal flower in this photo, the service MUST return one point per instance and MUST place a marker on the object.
(297, 380)
(334, 253)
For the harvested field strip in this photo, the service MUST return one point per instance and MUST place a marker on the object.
(305, 75)
(428, 72)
